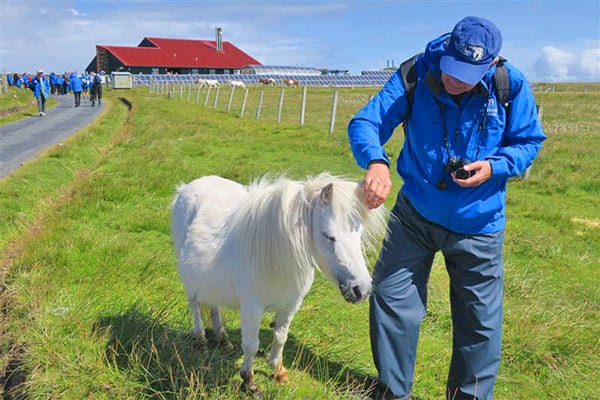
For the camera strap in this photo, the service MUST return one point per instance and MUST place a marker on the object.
(444, 128)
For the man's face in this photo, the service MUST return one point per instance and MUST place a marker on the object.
(453, 86)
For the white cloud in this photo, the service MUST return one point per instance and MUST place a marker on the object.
(590, 64)
(64, 39)
(556, 65)
(75, 13)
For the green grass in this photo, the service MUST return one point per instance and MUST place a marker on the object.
(97, 308)
(18, 104)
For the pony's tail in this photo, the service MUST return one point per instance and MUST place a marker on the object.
(180, 187)
(181, 217)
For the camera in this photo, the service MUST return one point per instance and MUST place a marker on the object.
(456, 165)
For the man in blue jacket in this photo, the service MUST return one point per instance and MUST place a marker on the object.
(41, 91)
(76, 86)
(461, 146)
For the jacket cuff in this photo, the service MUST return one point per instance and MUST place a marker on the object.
(499, 168)
(384, 159)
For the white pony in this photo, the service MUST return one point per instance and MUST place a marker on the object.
(256, 248)
(211, 83)
(239, 84)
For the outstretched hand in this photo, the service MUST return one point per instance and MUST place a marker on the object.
(377, 184)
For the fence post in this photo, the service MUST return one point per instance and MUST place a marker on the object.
(230, 98)
(244, 102)
(280, 106)
(333, 111)
(207, 96)
(180, 92)
(303, 106)
(216, 98)
(198, 94)
(260, 100)
(189, 92)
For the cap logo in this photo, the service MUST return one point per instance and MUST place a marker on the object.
(476, 52)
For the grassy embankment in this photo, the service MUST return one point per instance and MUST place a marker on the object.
(95, 308)
(19, 103)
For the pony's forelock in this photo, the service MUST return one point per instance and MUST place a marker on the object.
(348, 199)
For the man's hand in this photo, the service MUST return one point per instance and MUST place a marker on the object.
(483, 172)
(377, 184)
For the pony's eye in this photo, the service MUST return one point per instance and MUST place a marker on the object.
(330, 238)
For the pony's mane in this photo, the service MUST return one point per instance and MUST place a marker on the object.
(277, 214)
(348, 199)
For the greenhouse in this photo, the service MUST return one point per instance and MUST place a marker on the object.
(279, 70)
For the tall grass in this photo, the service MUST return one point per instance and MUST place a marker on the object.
(97, 310)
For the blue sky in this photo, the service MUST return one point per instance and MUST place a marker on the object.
(547, 40)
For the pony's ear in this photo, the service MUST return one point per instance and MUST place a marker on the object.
(326, 194)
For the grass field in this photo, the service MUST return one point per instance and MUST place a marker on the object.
(93, 306)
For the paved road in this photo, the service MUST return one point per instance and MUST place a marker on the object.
(23, 140)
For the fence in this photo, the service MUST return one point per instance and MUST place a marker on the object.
(3, 85)
(365, 79)
(321, 107)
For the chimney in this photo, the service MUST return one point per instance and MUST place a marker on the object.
(219, 38)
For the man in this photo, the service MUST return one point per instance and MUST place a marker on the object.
(96, 88)
(41, 91)
(76, 86)
(461, 146)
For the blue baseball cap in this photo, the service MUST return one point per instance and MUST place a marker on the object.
(473, 44)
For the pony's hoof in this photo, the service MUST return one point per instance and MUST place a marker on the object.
(248, 386)
(199, 340)
(225, 344)
(281, 376)
(251, 389)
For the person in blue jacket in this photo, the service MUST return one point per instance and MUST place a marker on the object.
(96, 88)
(53, 88)
(60, 80)
(18, 80)
(461, 146)
(76, 86)
(41, 91)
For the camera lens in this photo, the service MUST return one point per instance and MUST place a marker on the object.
(461, 173)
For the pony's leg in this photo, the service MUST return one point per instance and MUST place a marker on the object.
(250, 316)
(198, 330)
(218, 328)
(282, 322)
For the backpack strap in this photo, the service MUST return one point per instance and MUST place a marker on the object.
(408, 72)
(502, 83)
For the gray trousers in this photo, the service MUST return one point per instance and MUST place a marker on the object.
(41, 101)
(399, 301)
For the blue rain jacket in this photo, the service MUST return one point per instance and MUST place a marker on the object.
(75, 83)
(477, 129)
(37, 89)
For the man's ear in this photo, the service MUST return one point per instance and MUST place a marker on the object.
(495, 61)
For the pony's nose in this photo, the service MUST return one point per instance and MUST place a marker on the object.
(354, 294)
(357, 292)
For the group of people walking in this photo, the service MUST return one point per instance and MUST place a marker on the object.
(43, 85)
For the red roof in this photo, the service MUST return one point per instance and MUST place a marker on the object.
(181, 53)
